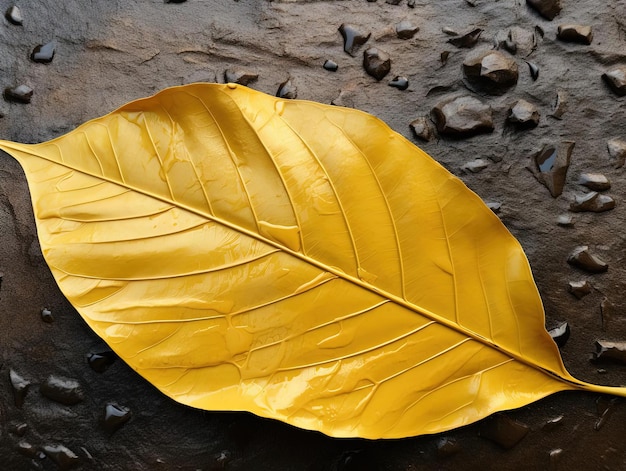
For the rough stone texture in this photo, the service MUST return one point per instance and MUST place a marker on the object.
(616, 79)
(582, 34)
(111, 51)
(491, 72)
(463, 117)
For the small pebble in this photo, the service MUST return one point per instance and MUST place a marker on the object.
(100, 362)
(565, 220)
(241, 77)
(406, 30)
(550, 165)
(581, 258)
(401, 83)
(494, 206)
(62, 456)
(616, 79)
(475, 166)
(376, 63)
(560, 104)
(20, 388)
(579, 289)
(534, 70)
(114, 417)
(422, 128)
(491, 72)
(449, 31)
(617, 151)
(546, 8)
(468, 40)
(287, 90)
(14, 15)
(592, 202)
(524, 115)
(575, 33)
(553, 423)
(46, 315)
(463, 116)
(62, 390)
(352, 38)
(560, 334)
(19, 94)
(330, 65)
(44, 53)
(555, 457)
(594, 181)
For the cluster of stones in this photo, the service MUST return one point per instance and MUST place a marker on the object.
(67, 392)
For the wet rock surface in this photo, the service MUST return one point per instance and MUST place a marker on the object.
(62, 390)
(550, 165)
(491, 72)
(109, 52)
(463, 117)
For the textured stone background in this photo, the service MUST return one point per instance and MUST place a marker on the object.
(109, 52)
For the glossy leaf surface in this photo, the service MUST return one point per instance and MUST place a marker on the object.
(296, 260)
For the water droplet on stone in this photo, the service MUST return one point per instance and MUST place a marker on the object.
(401, 83)
(330, 65)
(376, 63)
(467, 40)
(352, 39)
(114, 417)
(560, 104)
(63, 390)
(546, 8)
(14, 15)
(581, 258)
(550, 165)
(560, 334)
(62, 456)
(44, 53)
(491, 72)
(534, 70)
(463, 116)
(503, 430)
(616, 79)
(617, 151)
(592, 202)
(581, 34)
(46, 315)
(287, 90)
(447, 446)
(565, 220)
(100, 362)
(422, 129)
(19, 94)
(406, 30)
(20, 387)
(523, 115)
(241, 77)
(580, 289)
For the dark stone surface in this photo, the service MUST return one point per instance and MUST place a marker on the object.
(376, 62)
(111, 51)
(546, 8)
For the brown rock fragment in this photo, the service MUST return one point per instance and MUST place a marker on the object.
(581, 34)
(492, 72)
(62, 456)
(616, 80)
(550, 164)
(595, 181)
(406, 30)
(352, 38)
(580, 289)
(546, 8)
(523, 115)
(468, 40)
(592, 202)
(422, 128)
(617, 151)
(242, 77)
(581, 258)
(62, 390)
(20, 387)
(376, 63)
(463, 116)
(560, 334)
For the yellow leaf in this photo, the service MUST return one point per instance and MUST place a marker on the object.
(296, 260)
